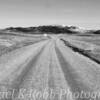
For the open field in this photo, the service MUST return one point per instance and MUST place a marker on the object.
(95, 39)
(37, 67)
(88, 45)
(10, 42)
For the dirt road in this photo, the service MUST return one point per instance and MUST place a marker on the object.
(48, 70)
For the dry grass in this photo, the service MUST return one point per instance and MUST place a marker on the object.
(89, 44)
(9, 43)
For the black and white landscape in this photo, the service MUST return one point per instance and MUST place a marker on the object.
(49, 63)
(49, 50)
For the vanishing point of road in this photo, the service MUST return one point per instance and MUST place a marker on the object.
(48, 70)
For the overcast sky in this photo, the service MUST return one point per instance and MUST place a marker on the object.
(83, 13)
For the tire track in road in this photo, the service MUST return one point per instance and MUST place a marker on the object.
(37, 78)
(79, 73)
(57, 82)
(26, 71)
(46, 77)
(17, 76)
(69, 76)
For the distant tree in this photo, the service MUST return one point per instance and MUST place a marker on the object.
(97, 32)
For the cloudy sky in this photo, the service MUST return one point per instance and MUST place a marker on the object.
(83, 13)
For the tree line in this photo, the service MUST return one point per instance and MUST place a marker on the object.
(43, 29)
